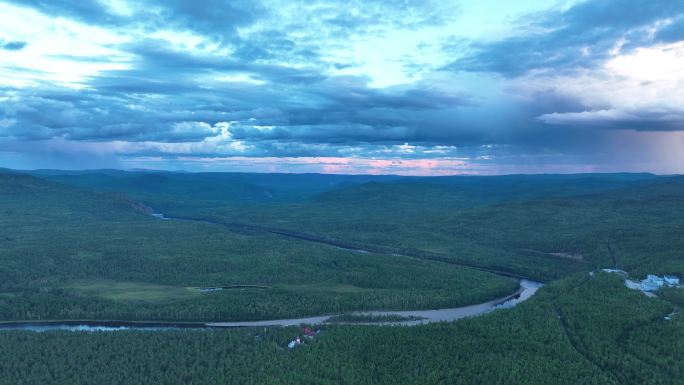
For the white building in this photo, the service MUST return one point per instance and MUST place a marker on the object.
(654, 282)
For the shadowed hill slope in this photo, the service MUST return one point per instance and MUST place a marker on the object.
(593, 221)
(68, 253)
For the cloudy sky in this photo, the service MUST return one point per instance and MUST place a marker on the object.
(415, 87)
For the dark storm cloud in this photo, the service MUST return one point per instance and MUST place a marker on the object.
(86, 117)
(330, 113)
(268, 90)
(547, 109)
(167, 88)
(580, 36)
(295, 112)
(160, 69)
(660, 119)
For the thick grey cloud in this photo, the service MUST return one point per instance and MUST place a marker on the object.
(580, 36)
(167, 87)
(572, 42)
(661, 119)
(255, 87)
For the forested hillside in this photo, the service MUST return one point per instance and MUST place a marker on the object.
(580, 330)
(84, 246)
(538, 226)
(69, 253)
(172, 190)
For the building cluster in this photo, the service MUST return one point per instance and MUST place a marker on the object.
(648, 285)
(308, 333)
(654, 282)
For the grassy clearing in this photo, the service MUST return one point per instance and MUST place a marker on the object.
(326, 287)
(132, 291)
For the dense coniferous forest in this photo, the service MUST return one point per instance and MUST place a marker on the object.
(540, 226)
(578, 330)
(74, 254)
(84, 245)
(635, 226)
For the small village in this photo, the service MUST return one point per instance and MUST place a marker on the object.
(654, 282)
(650, 284)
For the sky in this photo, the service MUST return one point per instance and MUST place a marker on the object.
(411, 87)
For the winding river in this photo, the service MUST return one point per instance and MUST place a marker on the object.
(418, 317)
(527, 289)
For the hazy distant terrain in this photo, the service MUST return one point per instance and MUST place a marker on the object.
(516, 223)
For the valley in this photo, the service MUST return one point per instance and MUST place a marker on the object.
(221, 284)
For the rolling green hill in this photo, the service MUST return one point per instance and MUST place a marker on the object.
(69, 253)
(542, 226)
(82, 246)
(546, 228)
(206, 189)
